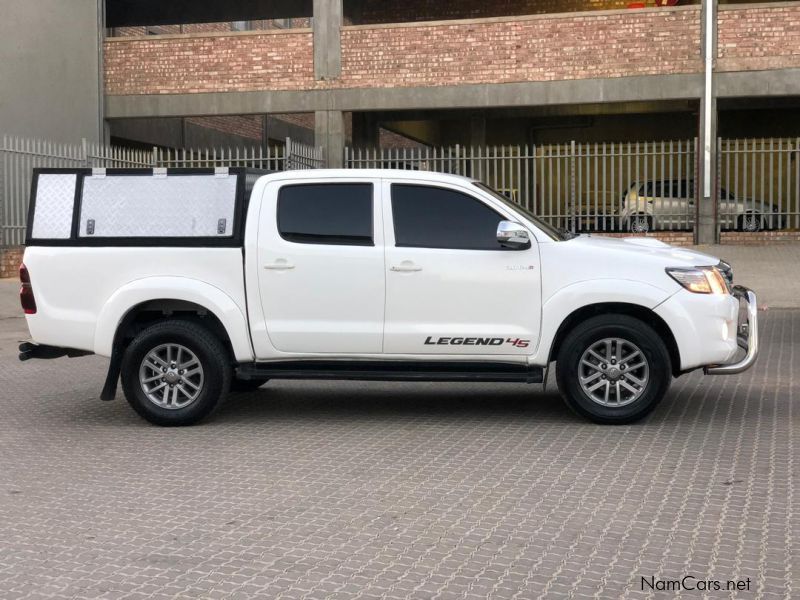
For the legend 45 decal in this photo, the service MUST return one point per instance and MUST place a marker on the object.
(476, 341)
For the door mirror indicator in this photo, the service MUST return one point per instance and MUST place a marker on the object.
(513, 235)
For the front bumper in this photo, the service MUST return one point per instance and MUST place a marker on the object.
(746, 334)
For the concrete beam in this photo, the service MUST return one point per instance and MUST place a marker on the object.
(329, 134)
(753, 84)
(327, 24)
(536, 93)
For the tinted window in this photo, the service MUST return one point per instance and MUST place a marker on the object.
(430, 217)
(326, 213)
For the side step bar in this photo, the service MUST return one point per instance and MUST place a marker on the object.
(393, 370)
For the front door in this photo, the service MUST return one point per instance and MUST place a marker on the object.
(321, 267)
(451, 288)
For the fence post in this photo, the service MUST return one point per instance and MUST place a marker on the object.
(287, 155)
(572, 198)
(85, 152)
(3, 184)
(154, 157)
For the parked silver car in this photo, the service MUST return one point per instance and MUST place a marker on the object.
(671, 204)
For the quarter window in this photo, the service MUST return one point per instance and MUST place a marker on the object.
(326, 213)
(432, 217)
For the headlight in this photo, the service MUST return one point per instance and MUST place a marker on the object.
(700, 280)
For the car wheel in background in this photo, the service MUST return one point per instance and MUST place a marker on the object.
(613, 369)
(175, 373)
(640, 224)
(750, 222)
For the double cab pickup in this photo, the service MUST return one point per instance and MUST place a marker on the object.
(194, 282)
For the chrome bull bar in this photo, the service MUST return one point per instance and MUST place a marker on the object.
(746, 335)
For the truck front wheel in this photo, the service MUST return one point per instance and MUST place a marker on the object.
(175, 373)
(613, 369)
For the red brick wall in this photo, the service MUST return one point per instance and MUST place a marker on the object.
(571, 46)
(10, 259)
(247, 126)
(537, 48)
(760, 238)
(757, 37)
(275, 60)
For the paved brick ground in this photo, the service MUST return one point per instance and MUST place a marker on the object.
(347, 490)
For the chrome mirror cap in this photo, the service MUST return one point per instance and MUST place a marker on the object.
(513, 235)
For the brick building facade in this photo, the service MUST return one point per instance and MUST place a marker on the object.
(512, 73)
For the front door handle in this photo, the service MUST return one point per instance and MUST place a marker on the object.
(279, 265)
(406, 267)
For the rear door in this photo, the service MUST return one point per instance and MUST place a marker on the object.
(450, 287)
(321, 267)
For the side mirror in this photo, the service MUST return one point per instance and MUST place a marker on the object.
(513, 235)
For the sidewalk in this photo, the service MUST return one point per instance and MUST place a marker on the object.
(773, 272)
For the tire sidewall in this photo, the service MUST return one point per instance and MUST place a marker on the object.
(216, 377)
(633, 330)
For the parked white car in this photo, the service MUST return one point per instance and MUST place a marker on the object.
(192, 284)
(670, 204)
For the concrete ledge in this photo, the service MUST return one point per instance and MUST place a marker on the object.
(773, 82)
(535, 93)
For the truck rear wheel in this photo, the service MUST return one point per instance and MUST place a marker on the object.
(175, 373)
(613, 369)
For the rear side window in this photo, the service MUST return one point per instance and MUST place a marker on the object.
(326, 213)
(432, 217)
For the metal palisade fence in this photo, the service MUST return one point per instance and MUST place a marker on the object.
(759, 184)
(631, 186)
(19, 156)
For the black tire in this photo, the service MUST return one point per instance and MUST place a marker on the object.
(247, 385)
(588, 333)
(640, 223)
(754, 218)
(211, 355)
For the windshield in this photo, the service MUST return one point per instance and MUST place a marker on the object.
(547, 229)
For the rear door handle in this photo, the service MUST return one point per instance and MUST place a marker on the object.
(279, 265)
(406, 267)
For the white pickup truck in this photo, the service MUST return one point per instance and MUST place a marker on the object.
(194, 282)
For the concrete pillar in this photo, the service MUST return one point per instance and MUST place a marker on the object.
(327, 24)
(706, 212)
(329, 134)
(366, 130)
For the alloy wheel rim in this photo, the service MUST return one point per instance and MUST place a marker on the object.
(613, 372)
(171, 376)
(750, 223)
(639, 225)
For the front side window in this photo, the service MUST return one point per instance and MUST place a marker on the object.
(433, 217)
(326, 213)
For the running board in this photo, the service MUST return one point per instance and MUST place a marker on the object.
(392, 370)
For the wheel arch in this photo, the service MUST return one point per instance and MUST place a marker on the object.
(147, 298)
(637, 311)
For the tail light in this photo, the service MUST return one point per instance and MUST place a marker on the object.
(26, 291)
